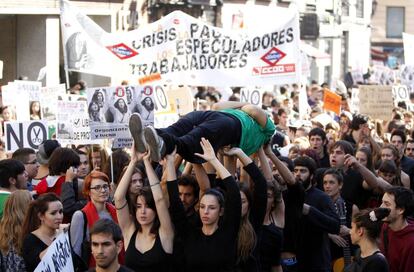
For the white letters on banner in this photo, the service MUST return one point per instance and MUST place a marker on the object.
(179, 49)
(25, 134)
(252, 96)
(58, 257)
(400, 93)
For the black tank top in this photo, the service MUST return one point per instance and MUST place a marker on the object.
(155, 259)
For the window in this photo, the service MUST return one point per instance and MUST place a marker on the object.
(395, 22)
(359, 8)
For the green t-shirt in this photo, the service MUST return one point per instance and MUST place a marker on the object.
(4, 195)
(253, 136)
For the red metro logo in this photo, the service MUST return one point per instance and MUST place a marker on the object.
(122, 51)
(273, 56)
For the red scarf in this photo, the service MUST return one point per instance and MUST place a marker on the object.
(92, 216)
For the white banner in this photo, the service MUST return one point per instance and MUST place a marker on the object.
(179, 49)
(252, 95)
(24, 134)
(58, 257)
(408, 40)
(73, 122)
(48, 99)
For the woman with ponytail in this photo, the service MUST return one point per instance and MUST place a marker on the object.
(366, 228)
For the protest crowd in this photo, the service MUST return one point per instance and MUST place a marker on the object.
(163, 173)
(229, 187)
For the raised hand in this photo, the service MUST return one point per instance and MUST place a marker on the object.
(234, 151)
(135, 155)
(208, 150)
(350, 161)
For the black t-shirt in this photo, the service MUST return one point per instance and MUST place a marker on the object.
(32, 247)
(269, 241)
(376, 262)
(121, 269)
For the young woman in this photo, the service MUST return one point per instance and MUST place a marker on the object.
(97, 157)
(120, 111)
(96, 188)
(10, 231)
(366, 227)
(95, 112)
(35, 110)
(390, 152)
(148, 232)
(42, 224)
(213, 247)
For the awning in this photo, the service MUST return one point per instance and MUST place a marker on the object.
(313, 51)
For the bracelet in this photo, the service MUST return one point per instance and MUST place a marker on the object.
(123, 206)
(155, 184)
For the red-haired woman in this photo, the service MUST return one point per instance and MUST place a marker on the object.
(96, 188)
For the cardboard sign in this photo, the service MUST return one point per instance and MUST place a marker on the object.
(400, 93)
(25, 134)
(251, 95)
(332, 101)
(58, 257)
(376, 101)
(181, 100)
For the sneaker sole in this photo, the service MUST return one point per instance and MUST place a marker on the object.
(136, 129)
(151, 137)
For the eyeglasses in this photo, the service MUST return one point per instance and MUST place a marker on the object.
(100, 187)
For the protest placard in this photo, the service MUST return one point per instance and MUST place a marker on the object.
(408, 40)
(48, 100)
(179, 49)
(17, 100)
(331, 101)
(400, 93)
(354, 104)
(252, 95)
(180, 99)
(25, 134)
(58, 257)
(376, 101)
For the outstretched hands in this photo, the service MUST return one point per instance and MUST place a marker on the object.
(209, 154)
(135, 155)
(234, 151)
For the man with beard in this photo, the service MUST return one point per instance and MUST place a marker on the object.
(397, 234)
(106, 243)
(319, 219)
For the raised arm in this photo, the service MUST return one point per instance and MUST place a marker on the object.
(280, 166)
(125, 221)
(166, 230)
(228, 105)
(370, 180)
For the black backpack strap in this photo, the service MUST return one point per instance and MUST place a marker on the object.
(75, 187)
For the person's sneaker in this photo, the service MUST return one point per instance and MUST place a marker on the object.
(137, 132)
(155, 144)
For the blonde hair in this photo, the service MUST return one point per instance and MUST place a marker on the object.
(12, 221)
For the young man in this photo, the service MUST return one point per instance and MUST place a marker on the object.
(189, 192)
(397, 234)
(398, 139)
(13, 176)
(27, 156)
(352, 190)
(319, 219)
(317, 140)
(409, 149)
(359, 125)
(106, 244)
(233, 123)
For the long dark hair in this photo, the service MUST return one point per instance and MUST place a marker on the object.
(246, 239)
(149, 200)
(371, 221)
(39, 206)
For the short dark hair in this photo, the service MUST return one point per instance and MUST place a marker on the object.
(188, 180)
(307, 162)
(281, 111)
(357, 120)
(399, 133)
(371, 224)
(337, 173)
(106, 226)
(61, 160)
(10, 168)
(344, 145)
(22, 154)
(317, 132)
(404, 199)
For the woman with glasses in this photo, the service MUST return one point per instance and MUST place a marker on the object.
(148, 230)
(96, 189)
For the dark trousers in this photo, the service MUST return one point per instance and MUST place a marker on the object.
(219, 128)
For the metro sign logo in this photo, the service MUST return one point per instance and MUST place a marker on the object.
(273, 56)
(275, 69)
(122, 51)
